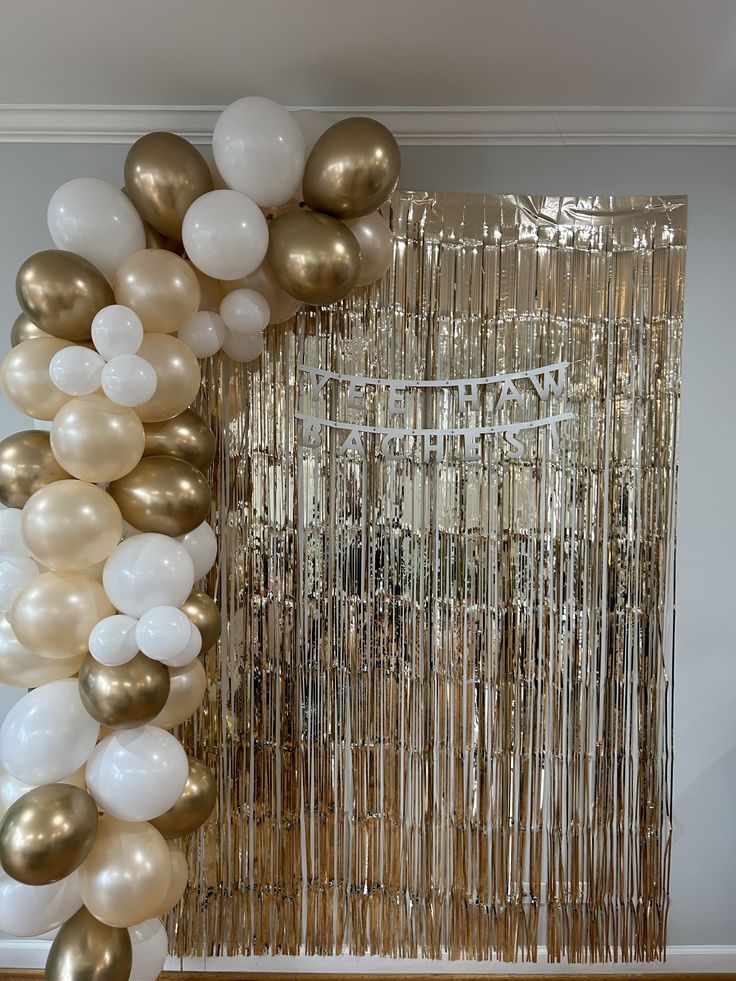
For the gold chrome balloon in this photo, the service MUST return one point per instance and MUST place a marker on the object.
(21, 668)
(24, 329)
(26, 465)
(96, 440)
(193, 807)
(205, 615)
(47, 833)
(188, 685)
(179, 879)
(164, 174)
(353, 169)
(61, 293)
(187, 437)
(314, 257)
(25, 379)
(160, 287)
(85, 949)
(178, 377)
(124, 696)
(164, 495)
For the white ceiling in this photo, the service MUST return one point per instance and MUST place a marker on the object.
(370, 52)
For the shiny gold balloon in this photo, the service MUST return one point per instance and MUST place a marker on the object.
(160, 287)
(53, 614)
(47, 833)
(188, 685)
(164, 174)
(25, 379)
(61, 293)
(24, 329)
(124, 696)
(205, 615)
(70, 525)
(22, 668)
(85, 949)
(96, 440)
(187, 437)
(315, 258)
(26, 465)
(178, 377)
(193, 807)
(164, 495)
(353, 169)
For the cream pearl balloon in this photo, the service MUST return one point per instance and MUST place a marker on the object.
(244, 311)
(21, 668)
(148, 570)
(225, 234)
(188, 685)
(76, 370)
(204, 333)
(160, 287)
(243, 347)
(263, 281)
(376, 246)
(117, 330)
(179, 879)
(178, 377)
(25, 378)
(93, 439)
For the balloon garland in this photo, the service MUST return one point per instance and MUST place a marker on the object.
(105, 535)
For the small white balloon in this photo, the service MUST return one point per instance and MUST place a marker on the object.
(201, 543)
(190, 652)
(117, 330)
(15, 572)
(225, 234)
(148, 570)
(245, 311)
(150, 945)
(112, 640)
(204, 333)
(11, 540)
(28, 911)
(163, 632)
(243, 347)
(76, 370)
(129, 379)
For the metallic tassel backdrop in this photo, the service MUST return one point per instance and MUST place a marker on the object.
(441, 714)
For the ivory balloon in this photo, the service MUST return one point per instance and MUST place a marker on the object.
(61, 292)
(26, 465)
(97, 221)
(225, 234)
(314, 257)
(150, 945)
(15, 572)
(263, 281)
(179, 879)
(201, 543)
(160, 287)
(243, 347)
(148, 570)
(96, 440)
(164, 495)
(123, 696)
(163, 632)
(205, 615)
(87, 950)
(353, 169)
(70, 525)
(24, 329)
(194, 805)
(47, 833)
(23, 669)
(25, 379)
(27, 911)
(211, 291)
(112, 640)
(54, 613)
(164, 175)
(376, 246)
(186, 436)
(129, 380)
(76, 370)
(244, 311)
(178, 374)
(117, 330)
(188, 685)
(204, 333)
(48, 734)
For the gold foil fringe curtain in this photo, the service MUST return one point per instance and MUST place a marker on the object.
(441, 715)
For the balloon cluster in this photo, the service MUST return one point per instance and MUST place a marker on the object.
(104, 536)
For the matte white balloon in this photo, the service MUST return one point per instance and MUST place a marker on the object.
(204, 333)
(163, 632)
(76, 370)
(259, 150)
(47, 735)
(190, 652)
(202, 547)
(117, 330)
(128, 379)
(243, 347)
(150, 946)
(113, 640)
(245, 311)
(136, 775)
(11, 540)
(97, 221)
(225, 234)
(28, 911)
(148, 570)
(15, 572)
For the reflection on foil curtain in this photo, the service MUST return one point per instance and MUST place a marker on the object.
(441, 719)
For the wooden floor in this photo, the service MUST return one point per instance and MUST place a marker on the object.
(15, 975)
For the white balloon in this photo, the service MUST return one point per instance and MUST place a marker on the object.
(47, 735)
(163, 632)
(15, 572)
(76, 370)
(150, 946)
(136, 775)
(27, 911)
(243, 347)
(97, 221)
(245, 311)
(113, 640)
(204, 333)
(259, 150)
(201, 543)
(190, 652)
(225, 234)
(117, 330)
(312, 124)
(11, 540)
(128, 379)
(148, 570)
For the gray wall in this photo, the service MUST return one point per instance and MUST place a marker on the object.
(704, 860)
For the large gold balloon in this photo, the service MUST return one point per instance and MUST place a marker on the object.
(26, 465)
(187, 437)
(22, 668)
(188, 685)
(205, 615)
(179, 879)
(124, 696)
(160, 287)
(314, 257)
(85, 949)
(164, 495)
(24, 329)
(54, 613)
(25, 379)
(178, 374)
(47, 833)
(164, 174)
(193, 807)
(353, 169)
(61, 293)
(96, 440)
(70, 525)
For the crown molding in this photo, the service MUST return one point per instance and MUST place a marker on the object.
(413, 125)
